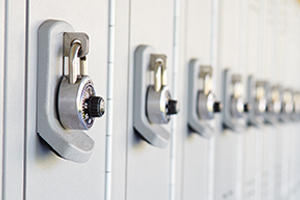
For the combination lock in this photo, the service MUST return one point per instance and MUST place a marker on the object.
(201, 100)
(256, 95)
(287, 106)
(234, 102)
(78, 105)
(238, 105)
(207, 105)
(160, 105)
(296, 100)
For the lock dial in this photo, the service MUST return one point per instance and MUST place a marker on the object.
(91, 105)
(296, 111)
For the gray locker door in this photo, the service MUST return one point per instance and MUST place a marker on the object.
(120, 101)
(252, 137)
(249, 157)
(12, 97)
(148, 167)
(282, 128)
(47, 175)
(195, 147)
(227, 144)
(2, 24)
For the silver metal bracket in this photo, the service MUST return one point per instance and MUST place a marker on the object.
(84, 41)
(155, 134)
(201, 126)
(71, 145)
(232, 91)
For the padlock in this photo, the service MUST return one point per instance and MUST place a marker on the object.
(78, 105)
(234, 103)
(275, 105)
(160, 105)
(207, 105)
(296, 101)
(238, 105)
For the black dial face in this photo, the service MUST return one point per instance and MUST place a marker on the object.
(87, 92)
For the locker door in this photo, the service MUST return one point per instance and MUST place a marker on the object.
(148, 167)
(293, 46)
(269, 137)
(47, 175)
(119, 102)
(12, 97)
(252, 137)
(294, 170)
(2, 24)
(195, 147)
(283, 128)
(227, 145)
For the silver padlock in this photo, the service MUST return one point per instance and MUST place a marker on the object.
(275, 105)
(78, 105)
(207, 105)
(296, 100)
(159, 103)
(287, 102)
(260, 98)
(238, 105)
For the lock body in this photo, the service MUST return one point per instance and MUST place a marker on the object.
(77, 104)
(237, 107)
(276, 102)
(206, 105)
(257, 97)
(157, 105)
(72, 103)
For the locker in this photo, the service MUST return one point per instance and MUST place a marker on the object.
(195, 147)
(120, 101)
(148, 167)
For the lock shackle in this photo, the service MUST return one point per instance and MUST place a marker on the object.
(73, 54)
(160, 74)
